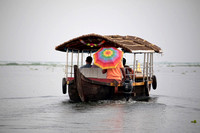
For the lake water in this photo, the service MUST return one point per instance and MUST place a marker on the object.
(31, 101)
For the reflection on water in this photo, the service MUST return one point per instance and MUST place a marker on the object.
(31, 101)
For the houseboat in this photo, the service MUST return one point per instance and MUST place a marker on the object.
(90, 84)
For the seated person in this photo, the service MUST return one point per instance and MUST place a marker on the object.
(128, 70)
(95, 66)
(88, 62)
(115, 73)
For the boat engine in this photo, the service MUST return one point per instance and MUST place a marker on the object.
(127, 88)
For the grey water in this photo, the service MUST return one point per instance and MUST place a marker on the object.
(31, 101)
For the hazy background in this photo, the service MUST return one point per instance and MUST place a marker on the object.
(30, 29)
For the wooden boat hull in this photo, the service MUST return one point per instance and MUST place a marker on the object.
(85, 89)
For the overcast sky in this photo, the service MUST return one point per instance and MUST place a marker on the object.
(30, 29)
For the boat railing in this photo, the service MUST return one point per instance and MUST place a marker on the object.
(145, 68)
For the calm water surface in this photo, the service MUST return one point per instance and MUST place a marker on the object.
(31, 101)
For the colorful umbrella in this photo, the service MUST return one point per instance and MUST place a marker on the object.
(108, 57)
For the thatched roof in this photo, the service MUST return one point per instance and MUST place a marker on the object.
(128, 43)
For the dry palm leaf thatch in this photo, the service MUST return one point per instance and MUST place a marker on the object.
(92, 42)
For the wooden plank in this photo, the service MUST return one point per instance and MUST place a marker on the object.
(78, 83)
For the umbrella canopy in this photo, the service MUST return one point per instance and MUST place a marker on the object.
(108, 57)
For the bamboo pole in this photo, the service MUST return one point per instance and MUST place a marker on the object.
(134, 59)
(82, 58)
(66, 67)
(152, 64)
(71, 62)
(147, 66)
(144, 66)
(134, 72)
(78, 59)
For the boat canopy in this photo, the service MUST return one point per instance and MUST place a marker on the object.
(92, 42)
